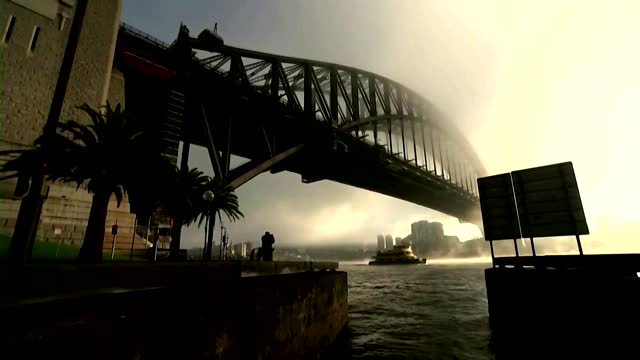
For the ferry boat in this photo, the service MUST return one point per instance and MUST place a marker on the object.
(400, 254)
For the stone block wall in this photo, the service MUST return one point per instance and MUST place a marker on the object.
(28, 81)
(67, 208)
(29, 77)
(292, 316)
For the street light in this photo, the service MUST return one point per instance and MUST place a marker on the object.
(208, 197)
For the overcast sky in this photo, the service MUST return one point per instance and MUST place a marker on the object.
(528, 82)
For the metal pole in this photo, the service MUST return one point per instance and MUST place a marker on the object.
(493, 256)
(515, 244)
(148, 229)
(579, 244)
(155, 250)
(58, 245)
(133, 237)
(26, 226)
(147, 237)
(113, 243)
(533, 247)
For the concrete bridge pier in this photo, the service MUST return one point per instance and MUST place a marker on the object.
(174, 311)
(556, 307)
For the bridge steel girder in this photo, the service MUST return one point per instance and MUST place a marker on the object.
(344, 98)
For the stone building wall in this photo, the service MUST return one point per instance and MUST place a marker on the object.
(28, 80)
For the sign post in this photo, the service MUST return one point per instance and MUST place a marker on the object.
(499, 214)
(114, 232)
(536, 202)
(133, 237)
(58, 232)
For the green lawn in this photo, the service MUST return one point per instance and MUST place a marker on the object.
(48, 250)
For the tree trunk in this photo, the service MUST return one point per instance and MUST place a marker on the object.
(91, 251)
(176, 234)
(212, 224)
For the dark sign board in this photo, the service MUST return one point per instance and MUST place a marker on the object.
(537, 202)
(549, 202)
(499, 215)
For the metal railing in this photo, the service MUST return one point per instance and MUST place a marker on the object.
(142, 35)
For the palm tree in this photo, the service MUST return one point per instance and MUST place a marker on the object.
(106, 155)
(109, 153)
(20, 163)
(181, 203)
(224, 201)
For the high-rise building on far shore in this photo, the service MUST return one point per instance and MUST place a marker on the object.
(380, 242)
(428, 239)
(388, 239)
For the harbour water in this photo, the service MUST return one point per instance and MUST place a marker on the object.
(433, 311)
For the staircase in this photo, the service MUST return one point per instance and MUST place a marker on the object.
(172, 127)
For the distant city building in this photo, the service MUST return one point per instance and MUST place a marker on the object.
(428, 239)
(240, 250)
(380, 242)
(453, 242)
(398, 241)
(388, 239)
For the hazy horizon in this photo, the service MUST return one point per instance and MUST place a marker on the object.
(529, 83)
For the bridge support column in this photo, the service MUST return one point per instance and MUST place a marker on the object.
(387, 111)
(373, 111)
(441, 157)
(333, 95)
(424, 148)
(400, 110)
(214, 155)
(355, 103)
(275, 82)
(309, 105)
(433, 153)
(415, 147)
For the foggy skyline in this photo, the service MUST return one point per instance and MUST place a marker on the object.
(529, 83)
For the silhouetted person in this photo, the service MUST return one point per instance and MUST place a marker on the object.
(267, 246)
(215, 28)
(259, 254)
(252, 255)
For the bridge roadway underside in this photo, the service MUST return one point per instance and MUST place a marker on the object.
(254, 126)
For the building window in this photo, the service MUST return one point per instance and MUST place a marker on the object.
(9, 30)
(62, 22)
(34, 39)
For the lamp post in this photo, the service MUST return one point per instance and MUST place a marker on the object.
(208, 197)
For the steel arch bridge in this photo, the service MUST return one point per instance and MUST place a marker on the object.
(318, 119)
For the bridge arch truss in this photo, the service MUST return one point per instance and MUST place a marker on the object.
(372, 108)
